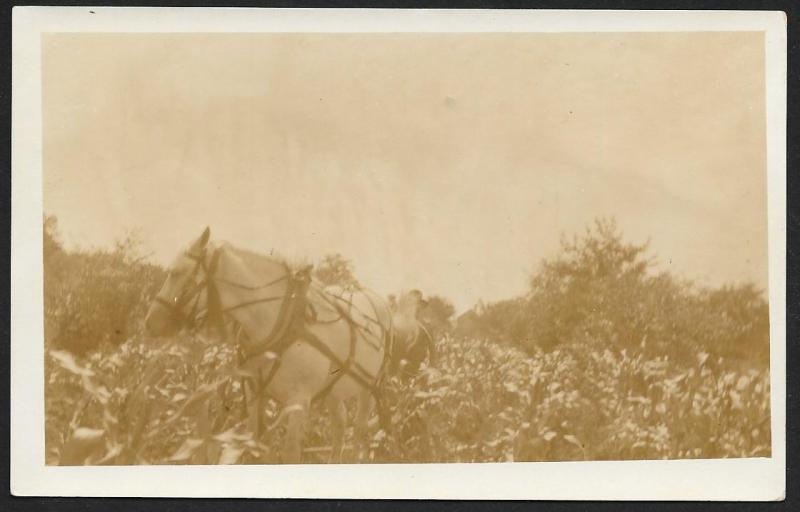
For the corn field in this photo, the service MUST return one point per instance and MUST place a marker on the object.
(181, 403)
(694, 389)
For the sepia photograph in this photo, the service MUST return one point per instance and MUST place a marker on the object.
(386, 248)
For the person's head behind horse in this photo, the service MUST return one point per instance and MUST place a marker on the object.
(412, 341)
(411, 303)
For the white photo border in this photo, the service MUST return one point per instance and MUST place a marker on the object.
(761, 479)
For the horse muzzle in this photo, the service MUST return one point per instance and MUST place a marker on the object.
(160, 321)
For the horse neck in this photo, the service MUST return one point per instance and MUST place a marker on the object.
(244, 280)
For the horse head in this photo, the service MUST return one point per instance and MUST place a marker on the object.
(184, 294)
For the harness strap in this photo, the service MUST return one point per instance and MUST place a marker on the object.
(348, 317)
(342, 368)
(252, 303)
(215, 313)
(346, 367)
(351, 306)
(290, 326)
(276, 340)
(337, 373)
(252, 288)
(287, 324)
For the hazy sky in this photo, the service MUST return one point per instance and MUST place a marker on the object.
(451, 163)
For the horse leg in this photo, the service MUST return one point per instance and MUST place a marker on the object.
(361, 423)
(255, 409)
(245, 412)
(338, 420)
(297, 413)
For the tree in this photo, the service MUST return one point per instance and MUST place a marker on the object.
(601, 291)
(52, 241)
(733, 322)
(54, 273)
(592, 289)
(335, 270)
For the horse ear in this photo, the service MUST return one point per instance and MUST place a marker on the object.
(205, 236)
(201, 242)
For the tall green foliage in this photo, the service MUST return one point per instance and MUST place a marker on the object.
(179, 403)
(590, 291)
(601, 290)
(619, 363)
(94, 296)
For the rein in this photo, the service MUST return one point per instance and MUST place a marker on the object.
(214, 310)
(289, 324)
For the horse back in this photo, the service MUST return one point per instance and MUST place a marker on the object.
(362, 309)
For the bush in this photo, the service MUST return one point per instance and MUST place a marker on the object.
(94, 297)
(601, 290)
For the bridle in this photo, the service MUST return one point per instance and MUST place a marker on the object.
(215, 312)
(177, 307)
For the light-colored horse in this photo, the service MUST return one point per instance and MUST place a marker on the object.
(412, 341)
(301, 342)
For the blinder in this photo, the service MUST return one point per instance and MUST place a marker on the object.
(191, 294)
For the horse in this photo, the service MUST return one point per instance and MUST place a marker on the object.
(300, 343)
(412, 340)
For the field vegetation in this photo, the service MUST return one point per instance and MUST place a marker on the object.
(604, 358)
